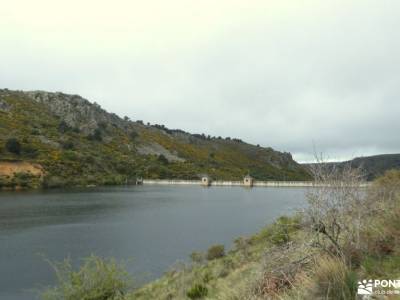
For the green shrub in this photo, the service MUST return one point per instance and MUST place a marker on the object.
(35, 131)
(241, 243)
(97, 279)
(387, 266)
(53, 181)
(197, 291)
(96, 135)
(69, 155)
(30, 151)
(133, 135)
(63, 127)
(89, 159)
(225, 267)
(216, 251)
(207, 277)
(4, 182)
(279, 233)
(197, 257)
(24, 180)
(162, 159)
(13, 146)
(68, 145)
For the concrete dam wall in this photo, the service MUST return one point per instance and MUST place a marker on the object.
(231, 183)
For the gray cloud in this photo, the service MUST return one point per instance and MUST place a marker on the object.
(284, 75)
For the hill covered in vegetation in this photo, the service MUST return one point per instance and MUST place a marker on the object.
(55, 139)
(373, 166)
(377, 165)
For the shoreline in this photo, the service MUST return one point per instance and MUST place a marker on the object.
(179, 182)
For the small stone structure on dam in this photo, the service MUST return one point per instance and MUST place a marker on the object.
(248, 181)
(205, 180)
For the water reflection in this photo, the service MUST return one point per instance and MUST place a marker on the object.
(153, 225)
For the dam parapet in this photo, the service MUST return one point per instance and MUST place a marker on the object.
(235, 183)
(228, 183)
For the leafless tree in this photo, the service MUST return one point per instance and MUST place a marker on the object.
(337, 205)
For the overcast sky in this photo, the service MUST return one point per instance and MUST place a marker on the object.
(285, 74)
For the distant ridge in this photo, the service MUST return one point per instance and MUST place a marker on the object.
(373, 166)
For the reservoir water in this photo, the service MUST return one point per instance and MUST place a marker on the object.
(152, 227)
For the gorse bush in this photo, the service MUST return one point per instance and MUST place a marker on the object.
(30, 151)
(198, 291)
(279, 233)
(216, 251)
(97, 279)
(283, 227)
(162, 159)
(20, 180)
(13, 146)
(23, 179)
(63, 127)
(133, 135)
(197, 257)
(96, 135)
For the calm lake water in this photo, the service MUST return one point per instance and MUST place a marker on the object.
(151, 226)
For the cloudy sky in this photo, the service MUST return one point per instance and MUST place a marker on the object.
(286, 74)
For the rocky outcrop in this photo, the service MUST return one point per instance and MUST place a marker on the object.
(156, 149)
(76, 111)
(4, 107)
(10, 168)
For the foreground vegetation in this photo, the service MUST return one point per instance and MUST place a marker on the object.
(76, 143)
(345, 235)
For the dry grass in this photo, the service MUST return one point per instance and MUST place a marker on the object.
(334, 280)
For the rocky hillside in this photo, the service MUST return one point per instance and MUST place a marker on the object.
(76, 142)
